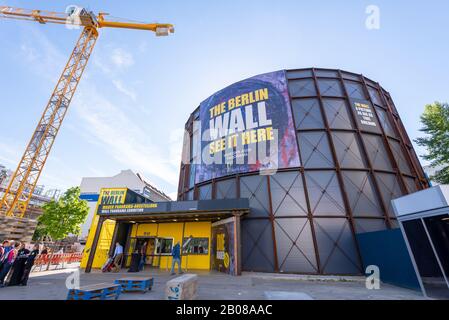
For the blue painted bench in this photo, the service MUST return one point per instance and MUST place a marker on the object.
(135, 283)
(100, 291)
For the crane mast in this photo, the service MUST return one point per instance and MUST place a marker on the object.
(23, 182)
(21, 186)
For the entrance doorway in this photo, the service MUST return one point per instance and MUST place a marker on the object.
(154, 249)
(147, 247)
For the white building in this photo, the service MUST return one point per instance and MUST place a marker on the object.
(91, 186)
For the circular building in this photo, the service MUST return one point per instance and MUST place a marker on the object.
(341, 154)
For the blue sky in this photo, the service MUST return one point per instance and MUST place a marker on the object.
(138, 90)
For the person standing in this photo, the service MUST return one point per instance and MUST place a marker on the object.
(8, 262)
(143, 256)
(18, 266)
(176, 254)
(135, 261)
(6, 246)
(3, 247)
(118, 255)
(2, 250)
(29, 264)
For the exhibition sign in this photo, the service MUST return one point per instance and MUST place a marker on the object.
(112, 195)
(365, 115)
(246, 127)
(224, 246)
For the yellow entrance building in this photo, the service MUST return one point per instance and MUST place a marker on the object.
(151, 229)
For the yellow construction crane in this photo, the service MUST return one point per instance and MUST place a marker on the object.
(23, 181)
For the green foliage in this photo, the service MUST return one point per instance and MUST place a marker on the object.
(435, 120)
(63, 217)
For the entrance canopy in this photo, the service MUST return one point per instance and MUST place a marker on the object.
(201, 210)
(210, 212)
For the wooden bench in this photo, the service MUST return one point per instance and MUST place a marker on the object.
(100, 291)
(182, 288)
(135, 283)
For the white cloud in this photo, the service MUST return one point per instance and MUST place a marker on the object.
(122, 137)
(175, 146)
(111, 61)
(121, 58)
(143, 47)
(125, 90)
(9, 155)
(40, 54)
(29, 52)
(100, 64)
(100, 120)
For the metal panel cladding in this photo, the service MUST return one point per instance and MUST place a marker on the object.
(354, 156)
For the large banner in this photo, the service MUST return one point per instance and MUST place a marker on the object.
(246, 127)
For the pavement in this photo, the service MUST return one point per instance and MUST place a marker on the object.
(51, 285)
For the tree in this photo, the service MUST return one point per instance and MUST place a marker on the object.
(435, 120)
(62, 217)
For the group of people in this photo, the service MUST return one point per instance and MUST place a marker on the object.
(138, 258)
(16, 262)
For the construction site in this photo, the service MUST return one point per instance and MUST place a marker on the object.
(18, 228)
(293, 183)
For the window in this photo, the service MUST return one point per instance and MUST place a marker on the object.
(326, 73)
(355, 90)
(195, 246)
(330, 87)
(307, 113)
(205, 192)
(299, 74)
(302, 88)
(164, 245)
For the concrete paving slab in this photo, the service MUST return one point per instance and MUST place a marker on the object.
(211, 286)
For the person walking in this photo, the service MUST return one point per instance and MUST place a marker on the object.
(143, 256)
(118, 255)
(29, 265)
(8, 262)
(176, 254)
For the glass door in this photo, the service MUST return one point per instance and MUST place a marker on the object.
(429, 244)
